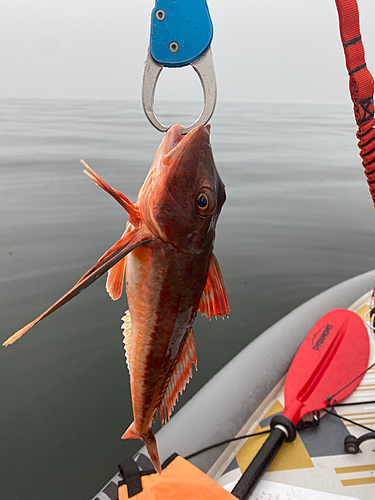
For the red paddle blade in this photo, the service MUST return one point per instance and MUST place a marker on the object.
(326, 365)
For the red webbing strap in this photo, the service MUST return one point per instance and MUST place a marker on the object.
(361, 85)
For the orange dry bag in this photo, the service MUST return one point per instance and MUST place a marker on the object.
(179, 480)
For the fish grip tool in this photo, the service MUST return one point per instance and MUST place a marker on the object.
(324, 371)
(181, 34)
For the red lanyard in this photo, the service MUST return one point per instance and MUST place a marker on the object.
(361, 85)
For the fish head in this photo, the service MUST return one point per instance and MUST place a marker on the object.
(182, 196)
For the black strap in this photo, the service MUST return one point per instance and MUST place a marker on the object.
(132, 476)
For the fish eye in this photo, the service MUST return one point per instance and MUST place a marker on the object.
(202, 201)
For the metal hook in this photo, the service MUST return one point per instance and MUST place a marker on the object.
(203, 66)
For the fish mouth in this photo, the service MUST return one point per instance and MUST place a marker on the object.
(175, 142)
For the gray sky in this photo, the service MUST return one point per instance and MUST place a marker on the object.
(268, 51)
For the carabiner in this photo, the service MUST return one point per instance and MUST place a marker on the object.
(181, 34)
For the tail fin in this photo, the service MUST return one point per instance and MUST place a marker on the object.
(150, 442)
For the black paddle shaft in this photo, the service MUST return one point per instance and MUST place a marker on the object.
(264, 457)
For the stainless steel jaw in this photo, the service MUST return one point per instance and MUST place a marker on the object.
(203, 66)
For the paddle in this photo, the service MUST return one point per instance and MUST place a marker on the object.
(324, 371)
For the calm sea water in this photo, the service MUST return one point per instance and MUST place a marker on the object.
(298, 219)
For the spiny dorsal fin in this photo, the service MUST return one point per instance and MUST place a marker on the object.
(214, 301)
(131, 208)
(181, 376)
(126, 326)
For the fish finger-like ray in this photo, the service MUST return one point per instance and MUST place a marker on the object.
(121, 248)
(131, 208)
(116, 275)
(115, 280)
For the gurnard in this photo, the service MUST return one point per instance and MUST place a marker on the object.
(171, 273)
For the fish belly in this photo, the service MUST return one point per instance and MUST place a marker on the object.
(164, 286)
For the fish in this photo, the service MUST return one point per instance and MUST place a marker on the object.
(165, 256)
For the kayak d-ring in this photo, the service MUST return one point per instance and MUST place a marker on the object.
(203, 66)
(371, 320)
(352, 443)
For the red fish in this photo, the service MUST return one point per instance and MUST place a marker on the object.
(171, 273)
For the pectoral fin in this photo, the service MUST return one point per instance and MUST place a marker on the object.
(214, 301)
(125, 245)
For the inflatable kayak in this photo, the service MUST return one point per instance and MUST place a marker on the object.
(324, 461)
(330, 455)
(241, 397)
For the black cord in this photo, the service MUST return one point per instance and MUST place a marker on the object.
(352, 404)
(268, 431)
(225, 442)
(347, 420)
(347, 385)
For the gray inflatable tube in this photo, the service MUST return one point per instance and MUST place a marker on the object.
(220, 409)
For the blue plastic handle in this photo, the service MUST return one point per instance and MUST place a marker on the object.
(181, 31)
